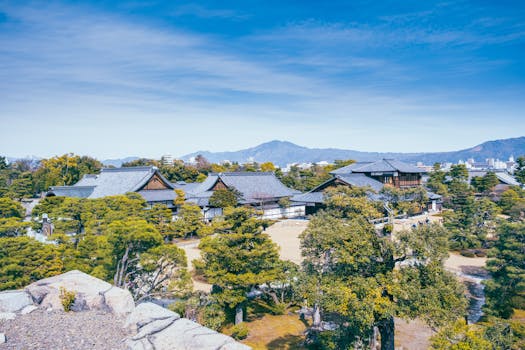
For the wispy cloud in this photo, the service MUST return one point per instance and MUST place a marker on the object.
(204, 12)
(316, 83)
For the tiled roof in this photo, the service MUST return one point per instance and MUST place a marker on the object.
(254, 186)
(309, 197)
(433, 196)
(158, 195)
(348, 169)
(354, 180)
(361, 180)
(72, 191)
(111, 181)
(383, 165)
(503, 176)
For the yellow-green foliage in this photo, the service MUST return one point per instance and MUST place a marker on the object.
(240, 331)
(67, 298)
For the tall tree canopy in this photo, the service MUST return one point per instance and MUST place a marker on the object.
(506, 290)
(238, 261)
(361, 281)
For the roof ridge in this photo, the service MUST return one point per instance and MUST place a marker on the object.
(133, 168)
(243, 173)
(72, 187)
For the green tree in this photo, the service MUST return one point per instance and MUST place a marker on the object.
(3, 163)
(162, 273)
(64, 170)
(235, 263)
(437, 180)
(512, 202)
(141, 162)
(459, 172)
(160, 216)
(484, 184)
(268, 166)
(359, 277)
(472, 223)
(24, 260)
(225, 197)
(346, 202)
(189, 222)
(519, 173)
(13, 227)
(11, 208)
(459, 336)
(493, 334)
(129, 239)
(506, 290)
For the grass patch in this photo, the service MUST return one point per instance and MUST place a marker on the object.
(267, 331)
(276, 332)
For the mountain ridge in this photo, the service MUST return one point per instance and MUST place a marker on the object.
(285, 152)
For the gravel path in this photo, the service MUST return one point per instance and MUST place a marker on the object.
(58, 330)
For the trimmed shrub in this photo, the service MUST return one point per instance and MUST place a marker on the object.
(67, 298)
(240, 331)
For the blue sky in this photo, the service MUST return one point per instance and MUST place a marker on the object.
(149, 78)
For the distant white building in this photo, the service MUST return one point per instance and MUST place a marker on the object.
(167, 159)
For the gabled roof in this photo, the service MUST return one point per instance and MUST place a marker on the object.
(254, 186)
(502, 176)
(309, 197)
(111, 181)
(72, 191)
(354, 180)
(380, 166)
(361, 180)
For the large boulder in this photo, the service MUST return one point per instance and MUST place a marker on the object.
(14, 300)
(186, 334)
(161, 329)
(147, 312)
(90, 293)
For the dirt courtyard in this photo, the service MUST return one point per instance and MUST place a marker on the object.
(286, 234)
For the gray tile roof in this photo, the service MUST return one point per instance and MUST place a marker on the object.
(254, 186)
(433, 196)
(72, 191)
(87, 180)
(383, 165)
(355, 180)
(348, 169)
(309, 197)
(158, 195)
(113, 181)
(502, 176)
(361, 180)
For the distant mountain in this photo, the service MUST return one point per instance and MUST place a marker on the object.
(117, 163)
(498, 149)
(283, 152)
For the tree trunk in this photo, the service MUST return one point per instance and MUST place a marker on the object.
(373, 342)
(239, 314)
(316, 324)
(387, 328)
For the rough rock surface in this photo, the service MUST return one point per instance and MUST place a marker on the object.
(7, 316)
(161, 329)
(91, 293)
(28, 309)
(37, 320)
(14, 300)
(145, 313)
(56, 330)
